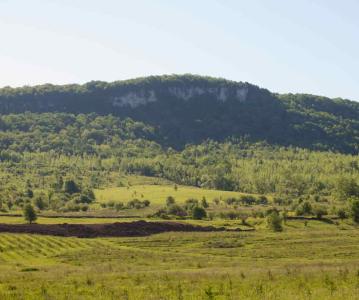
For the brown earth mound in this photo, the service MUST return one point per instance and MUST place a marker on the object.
(138, 228)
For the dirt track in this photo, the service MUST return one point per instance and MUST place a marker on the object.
(138, 228)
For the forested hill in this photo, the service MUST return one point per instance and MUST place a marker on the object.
(189, 109)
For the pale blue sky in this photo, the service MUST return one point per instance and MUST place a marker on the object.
(285, 46)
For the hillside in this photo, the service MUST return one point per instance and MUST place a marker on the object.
(190, 109)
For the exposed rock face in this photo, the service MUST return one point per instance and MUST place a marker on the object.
(135, 98)
(143, 97)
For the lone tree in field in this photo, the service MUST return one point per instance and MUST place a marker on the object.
(274, 221)
(29, 213)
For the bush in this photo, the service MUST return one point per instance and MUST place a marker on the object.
(354, 210)
(204, 203)
(304, 209)
(89, 194)
(176, 210)
(71, 187)
(190, 204)
(72, 206)
(161, 213)
(278, 201)
(263, 200)
(119, 206)
(257, 214)
(231, 215)
(135, 203)
(341, 213)
(274, 221)
(29, 213)
(170, 201)
(39, 203)
(319, 212)
(269, 211)
(230, 200)
(111, 204)
(198, 213)
(82, 199)
(247, 200)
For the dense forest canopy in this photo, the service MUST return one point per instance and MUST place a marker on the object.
(96, 150)
(189, 109)
(61, 142)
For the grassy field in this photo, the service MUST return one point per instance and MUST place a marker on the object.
(157, 194)
(308, 260)
(317, 261)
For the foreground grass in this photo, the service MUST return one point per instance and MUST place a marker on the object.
(317, 261)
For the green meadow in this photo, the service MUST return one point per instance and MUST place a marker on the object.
(312, 260)
(157, 194)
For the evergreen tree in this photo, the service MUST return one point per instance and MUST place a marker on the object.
(29, 213)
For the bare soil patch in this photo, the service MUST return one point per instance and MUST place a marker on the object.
(137, 228)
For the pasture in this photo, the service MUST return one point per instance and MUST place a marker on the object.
(305, 261)
(157, 194)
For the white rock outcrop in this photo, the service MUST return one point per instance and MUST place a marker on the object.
(142, 97)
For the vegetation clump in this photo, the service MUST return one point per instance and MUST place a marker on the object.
(274, 221)
(30, 213)
(198, 213)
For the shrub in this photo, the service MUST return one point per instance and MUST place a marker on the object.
(39, 203)
(230, 200)
(247, 199)
(29, 213)
(146, 203)
(111, 204)
(269, 211)
(354, 209)
(278, 201)
(119, 206)
(161, 213)
(83, 199)
(198, 213)
(263, 200)
(204, 203)
(135, 203)
(304, 209)
(84, 207)
(232, 215)
(72, 206)
(319, 212)
(29, 193)
(71, 187)
(274, 221)
(176, 210)
(170, 201)
(89, 194)
(341, 213)
(191, 203)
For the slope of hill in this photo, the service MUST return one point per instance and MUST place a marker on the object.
(190, 109)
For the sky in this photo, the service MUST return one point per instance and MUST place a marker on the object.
(298, 46)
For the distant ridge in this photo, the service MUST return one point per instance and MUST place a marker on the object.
(190, 108)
